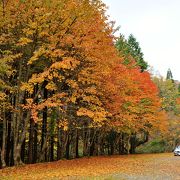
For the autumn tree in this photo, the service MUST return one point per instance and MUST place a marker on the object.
(55, 57)
(64, 84)
(168, 91)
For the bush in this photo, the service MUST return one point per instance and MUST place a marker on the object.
(153, 146)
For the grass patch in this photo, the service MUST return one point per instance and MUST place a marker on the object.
(154, 146)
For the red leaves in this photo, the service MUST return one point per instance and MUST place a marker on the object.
(132, 98)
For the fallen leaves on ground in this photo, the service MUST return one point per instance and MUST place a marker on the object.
(145, 165)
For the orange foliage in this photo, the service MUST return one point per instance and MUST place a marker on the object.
(67, 48)
(132, 99)
(114, 167)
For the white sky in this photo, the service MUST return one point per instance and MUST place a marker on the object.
(156, 26)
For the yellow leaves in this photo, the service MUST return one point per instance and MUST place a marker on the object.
(85, 112)
(27, 87)
(10, 57)
(72, 83)
(39, 78)
(23, 41)
(4, 38)
(57, 53)
(2, 96)
(73, 53)
(73, 99)
(6, 62)
(28, 31)
(97, 115)
(91, 90)
(92, 99)
(55, 74)
(29, 104)
(29, 101)
(36, 55)
(43, 34)
(141, 166)
(60, 65)
(33, 25)
(66, 63)
(64, 124)
(51, 86)
(100, 115)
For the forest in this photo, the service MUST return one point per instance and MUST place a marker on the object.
(70, 88)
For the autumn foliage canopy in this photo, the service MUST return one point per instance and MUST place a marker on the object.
(62, 81)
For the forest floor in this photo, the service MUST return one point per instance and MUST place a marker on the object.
(141, 167)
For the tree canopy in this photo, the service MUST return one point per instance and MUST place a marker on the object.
(63, 84)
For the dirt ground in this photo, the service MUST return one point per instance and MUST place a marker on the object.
(127, 167)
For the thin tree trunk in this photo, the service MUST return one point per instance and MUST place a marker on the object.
(43, 150)
(23, 150)
(31, 139)
(133, 143)
(52, 148)
(101, 140)
(128, 144)
(17, 155)
(3, 150)
(44, 126)
(19, 141)
(67, 146)
(35, 142)
(86, 142)
(8, 145)
(52, 126)
(77, 144)
(120, 144)
(59, 144)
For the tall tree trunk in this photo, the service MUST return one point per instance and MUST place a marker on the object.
(77, 143)
(120, 144)
(133, 143)
(31, 139)
(74, 143)
(97, 144)
(86, 142)
(101, 144)
(92, 142)
(52, 129)
(44, 150)
(35, 142)
(59, 144)
(35, 129)
(11, 154)
(3, 150)
(67, 146)
(123, 143)
(44, 126)
(63, 141)
(52, 148)
(17, 155)
(18, 141)
(128, 144)
(23, 150)
(8, 145)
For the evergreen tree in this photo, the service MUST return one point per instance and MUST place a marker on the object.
(137, 53)
(169, 75)
(130, 49)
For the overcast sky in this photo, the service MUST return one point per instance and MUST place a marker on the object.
(156, 26)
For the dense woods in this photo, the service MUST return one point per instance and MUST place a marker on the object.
(69, 87)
